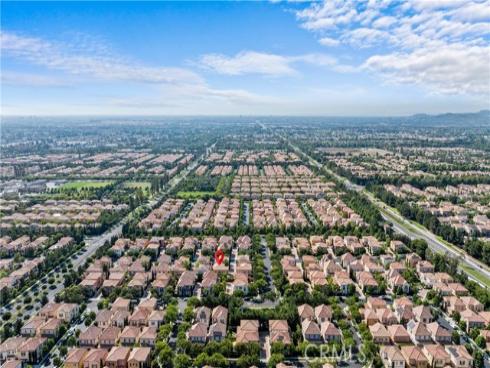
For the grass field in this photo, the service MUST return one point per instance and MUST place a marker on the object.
(85, 184)
(194, 195)
(477, 275)
(137, 184)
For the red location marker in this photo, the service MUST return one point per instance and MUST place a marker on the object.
(219, 256)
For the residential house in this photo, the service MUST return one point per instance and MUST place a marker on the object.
(380, 334)
(9, 347)
(306, 312)
(148, 336)
(247, 331)
(323, 313)
(118, 357)
(95, 358)
(423, 314)
(439, 334)
(472, 319)
(156, 318)
(129, 336)
(219, 314)
(418, 332)
(198, 332)
(414, 357)
(30, 351)
(399, 334)
(109, 337)
(279, 331)
(90, 337)
(460, 357)
(392, 357)
(186, 283)
(50, 328)
(139, 358)
(217, 331)
(330, 332)
(437, 356)
(75, 358)
(311, 331)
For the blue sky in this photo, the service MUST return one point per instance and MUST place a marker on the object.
(249, 58)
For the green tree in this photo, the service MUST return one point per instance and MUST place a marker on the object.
(274, 360)
(166, 355)
(182, 361)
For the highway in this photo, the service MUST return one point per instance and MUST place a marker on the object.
(476, 270)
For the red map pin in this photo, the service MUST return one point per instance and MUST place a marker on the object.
(219, 256)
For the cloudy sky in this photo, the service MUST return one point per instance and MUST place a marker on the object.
(252, 58)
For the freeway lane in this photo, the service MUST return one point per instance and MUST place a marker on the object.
(413, 230)
(476, 270)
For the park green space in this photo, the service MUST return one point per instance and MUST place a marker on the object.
(195, 195)
(91, 184)
(143, 185)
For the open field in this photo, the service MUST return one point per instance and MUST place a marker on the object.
(144, 185)
(85, 184)
(194, 195)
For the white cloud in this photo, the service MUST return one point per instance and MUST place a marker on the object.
(34, 80)
(366, 37)
(248, 62)
(421, 39)
(384, 22)
(58, 57)
(453, 69)
(328, 41)
(252, 62)
(94, 62)
(473, 12)
(437, 4)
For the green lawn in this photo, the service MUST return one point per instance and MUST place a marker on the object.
(476, 274)
(85, 184)
(194, 195)
(137, 184)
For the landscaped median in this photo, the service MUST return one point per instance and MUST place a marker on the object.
(415, 228)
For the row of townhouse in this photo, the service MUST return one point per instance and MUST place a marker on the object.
(221, 170)
(246, 170)
(272, 186)
(21, 245)
(334, 212)
(116, 357)
(176, 245)
(427, 356)
(29, 268)
(29, 346)
(169, 209)
(284, 212)
(242, 275)
(317, 325)
(209, 325)
(199, 216)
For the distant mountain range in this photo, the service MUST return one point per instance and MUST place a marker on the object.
(455, 119)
